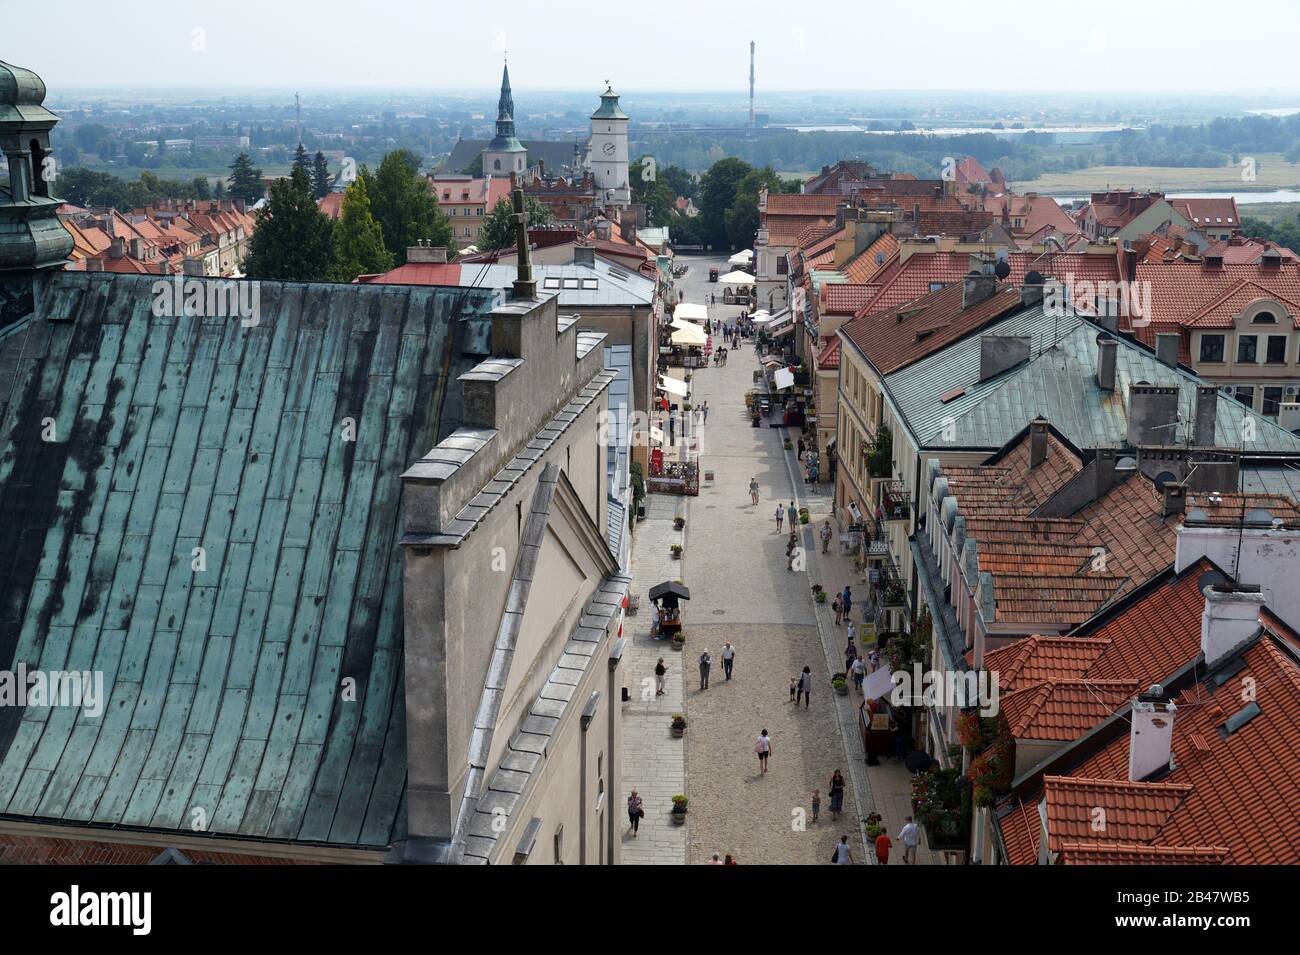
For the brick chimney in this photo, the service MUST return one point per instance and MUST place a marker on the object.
(1104, 472)
(976, 287)
(1207, 414)
(1037, 441)
(1152, 414)
(1231, 617)
(1167, 348)
(426, 253)
(1151, 734)
(1106, 347)
(1174, 498)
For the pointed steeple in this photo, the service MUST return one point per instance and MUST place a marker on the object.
(506, 104)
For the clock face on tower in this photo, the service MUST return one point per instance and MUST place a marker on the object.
(608, 149)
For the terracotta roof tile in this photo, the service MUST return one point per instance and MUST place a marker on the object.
(1114, 853)
(1133, 812)
(1063, 710)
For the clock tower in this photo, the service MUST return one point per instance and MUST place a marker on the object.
(609, 152)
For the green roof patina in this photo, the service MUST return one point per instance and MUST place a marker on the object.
(1058, 382)
(223, 676)
(609, 108)
(505, 140)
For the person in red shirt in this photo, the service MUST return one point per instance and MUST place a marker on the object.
(883, 845)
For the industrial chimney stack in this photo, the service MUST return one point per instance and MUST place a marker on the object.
(751, 84)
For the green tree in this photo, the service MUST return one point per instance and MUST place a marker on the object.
(202, 188)
(682, 182)
(293, 240)
(358, 237)
(649, 189)
(245, 181)
(405, 207)
(219, 190)
(499, 228)
(718, 194)
(300, 160)
(320, 176)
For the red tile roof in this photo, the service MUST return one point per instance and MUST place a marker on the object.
(828, 357)
(875, 259)
(1112, 853)
(797, 204)
(898, 336)
(1066, 709)
(844, 298)
(1214, 212)
(331, 204)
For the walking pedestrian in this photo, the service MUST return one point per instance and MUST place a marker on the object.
(883, 845)
(706, 662)
(780, 516)
(793, 515)
(846, 601)
(843, 854)
(805, 687)
(716, 860)
(791, 550)
(728, 860)
(850, 653)
(753, 491)
(859, 671)
(910, 837)
(874, 658)
(816, 805)
(763, 747)
(837, 795)
(794, 689)
(706, 412)
(634, 812)
(825, 532)
(801, 450)
(728, 659)
(838, 608)
(660, 670)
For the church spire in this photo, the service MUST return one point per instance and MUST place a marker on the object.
(506, 105)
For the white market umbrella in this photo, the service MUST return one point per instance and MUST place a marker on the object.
(737, 278)
(691, 312)
(674, 386)
(741, 258)
(694, 335)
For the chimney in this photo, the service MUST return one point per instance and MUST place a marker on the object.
(424, 252)
(1031, 293)
(1106, 347)
(977, 287)
(1167, 348)
(1288, 416)
(1175, 498)
(118, 247)
(1231, 618)
(1213, 263)
(1037, 441)
(1104, 472)
(916, 213)
(1271, 259)
(1207, 414)
(584, 255)
(1000, 352)
(1151, 735)
(1152, 414)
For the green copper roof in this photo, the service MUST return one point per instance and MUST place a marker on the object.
(21, 94)
(224, 678)
(609, 108)
(505, 140)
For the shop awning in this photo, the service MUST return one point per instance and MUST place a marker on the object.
(784, 378)
(785, 329)
(691, 312)
(691, 335)
(680, 323)
(675, 386)
(742, 258)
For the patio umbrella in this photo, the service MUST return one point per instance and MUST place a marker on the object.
(737, 278)
(694, 335)
(741, 258)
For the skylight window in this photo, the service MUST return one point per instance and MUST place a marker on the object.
(1239, 719)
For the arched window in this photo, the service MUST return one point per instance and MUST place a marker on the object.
(496, 164)
(1264, 318)
(39, 186)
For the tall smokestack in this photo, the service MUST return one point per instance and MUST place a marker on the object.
(751, 84)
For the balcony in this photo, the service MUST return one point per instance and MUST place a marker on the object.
(895, 503)
(878, 465)
(890, 592)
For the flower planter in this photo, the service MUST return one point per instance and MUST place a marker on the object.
(678, 644)
(679, 818)
(679, 522)
(676, 551)
(678, 726)
(840, 687)
(821, 596)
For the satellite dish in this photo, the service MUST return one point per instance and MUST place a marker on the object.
(1002, 269)
(1033, 278)
(1163, 478)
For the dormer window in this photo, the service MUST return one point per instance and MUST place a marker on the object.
(1264, 318)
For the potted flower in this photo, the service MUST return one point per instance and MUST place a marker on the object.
(840, 684)
(820, 596)
(803, 515)
(679, 523)
(679, 809)
(676, 551)
(679, 639)
(788, 445)
(679, 725)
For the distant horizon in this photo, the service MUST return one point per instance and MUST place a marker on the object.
(680, 45)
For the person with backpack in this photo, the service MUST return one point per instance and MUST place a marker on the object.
(763, 747)
(843, 854)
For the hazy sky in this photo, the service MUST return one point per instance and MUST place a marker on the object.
(1193, 45)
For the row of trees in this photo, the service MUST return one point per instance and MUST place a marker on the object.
(84, 187)
(383, 213)
(1285, 232)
